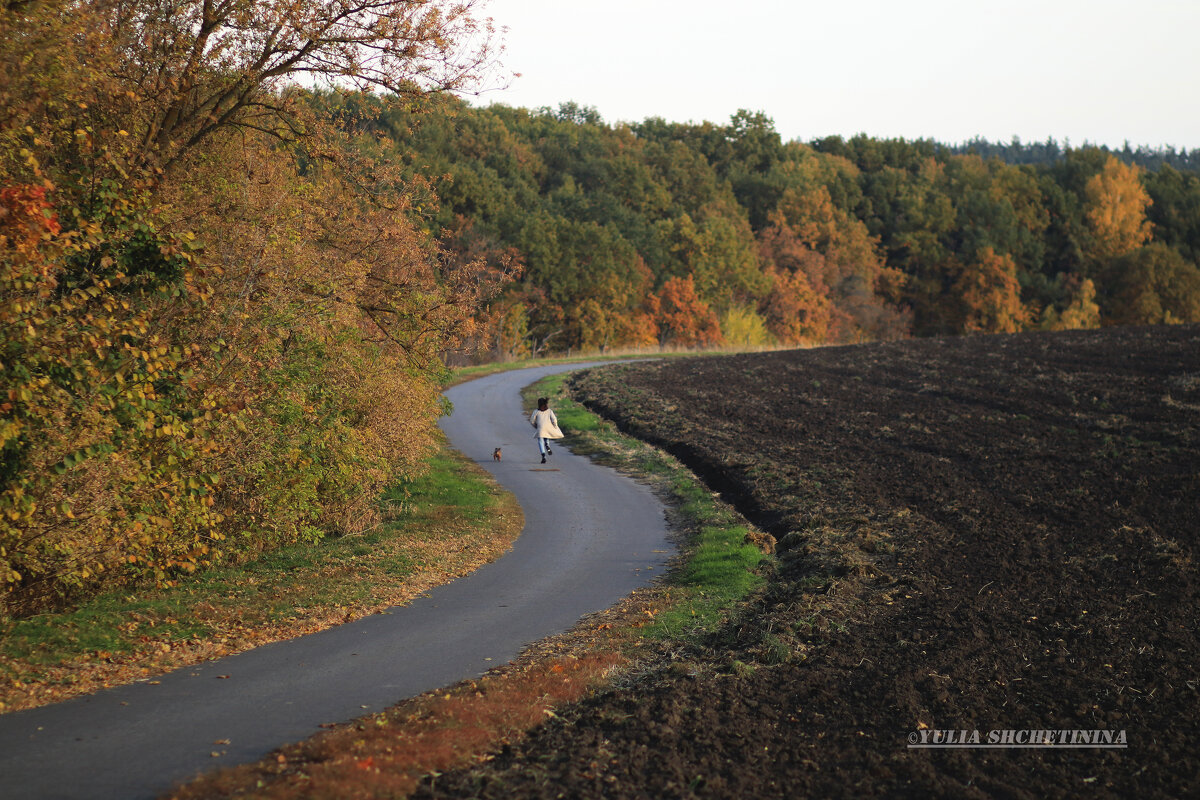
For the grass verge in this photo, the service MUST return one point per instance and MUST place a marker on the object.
(464, 374)
(718, 548)
(452, 520)
(388, 754)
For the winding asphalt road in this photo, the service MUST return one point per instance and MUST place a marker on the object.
(591, 536)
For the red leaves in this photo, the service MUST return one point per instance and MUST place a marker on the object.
(681, 316)
(26, 216)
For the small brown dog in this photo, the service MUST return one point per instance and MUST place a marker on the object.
(496, 454)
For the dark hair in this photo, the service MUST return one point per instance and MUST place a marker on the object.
(543, 403)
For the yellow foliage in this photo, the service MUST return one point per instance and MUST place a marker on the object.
(1082, 311)
(743, 327)
(1116, 209)
(210, 345)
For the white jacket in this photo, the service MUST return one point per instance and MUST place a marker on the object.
(545, 425)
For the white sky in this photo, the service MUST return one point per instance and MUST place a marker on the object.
(1104, 71)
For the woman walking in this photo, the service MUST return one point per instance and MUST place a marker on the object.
(545, 427)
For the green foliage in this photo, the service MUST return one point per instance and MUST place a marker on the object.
(1175, 210)
(831, 241)
(1151, 285)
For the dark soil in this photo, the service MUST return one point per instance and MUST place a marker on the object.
(974, 534)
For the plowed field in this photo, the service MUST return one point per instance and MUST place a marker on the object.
(975, 535)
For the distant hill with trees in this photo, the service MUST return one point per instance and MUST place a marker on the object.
(1050, 151)
(667, 233)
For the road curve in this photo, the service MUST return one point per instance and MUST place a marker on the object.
(591, 536)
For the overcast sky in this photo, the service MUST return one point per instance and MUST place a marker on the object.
(1097, 70)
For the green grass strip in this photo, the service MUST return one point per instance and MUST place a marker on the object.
(716, 570)
(341, 572)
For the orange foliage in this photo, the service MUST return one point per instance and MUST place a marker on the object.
(990, 295)
(26, 217)
(794, 313)
(861, 289)
(641, 330)
(681, 317)
(797, 309)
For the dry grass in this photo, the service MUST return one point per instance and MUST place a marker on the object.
(466, 373)
(388, 754)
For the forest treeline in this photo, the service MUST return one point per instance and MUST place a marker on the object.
(220, 328)
(1050, 151)
(664, 233)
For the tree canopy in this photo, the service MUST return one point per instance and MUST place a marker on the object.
(831, 241)
(222, 320)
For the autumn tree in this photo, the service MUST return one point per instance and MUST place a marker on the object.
(797, 308)
(990, 295)
(862, 289)
(221, 344)
(489, 266)
(681, 317)
(1149, 286)
(719, 253)
(743, 326)
(1116, 209)
(105, 423)
(889, 226)
(197, 67)
(1081, 311)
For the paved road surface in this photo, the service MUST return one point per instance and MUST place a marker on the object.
(591, 536)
